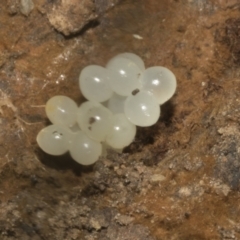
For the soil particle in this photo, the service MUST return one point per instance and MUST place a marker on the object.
(13, 6)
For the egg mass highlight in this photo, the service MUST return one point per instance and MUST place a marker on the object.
(124, 75)
(122, 132)
(120, 97)
(94, 83)
(142, 109)
(160, 81)
(95, 120)
(85, 150)
(54, 139)
(61, 110)
(134, 58)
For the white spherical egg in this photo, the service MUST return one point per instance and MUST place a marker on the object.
(61, 110)
(134, 58)
(142, 109)
(122, 132)
(85, 150)
(116, 103)
(95, 120)
(54, 139)
(160, 81)
(124, 75)
(106, 148)
(94, 83)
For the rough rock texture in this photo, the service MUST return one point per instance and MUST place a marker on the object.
(179, 179)
(70, 17)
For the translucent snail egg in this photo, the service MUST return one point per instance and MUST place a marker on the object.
(116, 103)
(61, 110)
(124, 75)
(95, 120)
(54, 139)
(106, 148)
(94, 83)
(134, 58)
(160, 81)
(142, 109)
(85, 150)
(122, 132)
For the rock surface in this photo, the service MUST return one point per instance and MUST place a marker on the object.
(70, 17)
(179, 179)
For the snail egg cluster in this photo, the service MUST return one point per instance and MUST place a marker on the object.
(120, 97)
